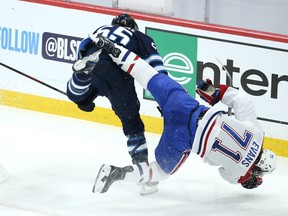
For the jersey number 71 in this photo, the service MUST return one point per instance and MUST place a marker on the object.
(241, 141)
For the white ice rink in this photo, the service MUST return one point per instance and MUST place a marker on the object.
(52, 163)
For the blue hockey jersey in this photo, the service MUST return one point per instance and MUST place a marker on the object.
(134, 40)
(108, 80)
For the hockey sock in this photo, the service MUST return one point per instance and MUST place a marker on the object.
(144, 172)
(137, 148)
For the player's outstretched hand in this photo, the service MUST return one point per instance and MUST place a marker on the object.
(207, 91)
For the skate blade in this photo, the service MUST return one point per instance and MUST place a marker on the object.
(99, 183)
(148, 190)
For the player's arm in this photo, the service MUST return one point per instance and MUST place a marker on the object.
(80, 91)
(148, 51)
(243, 106)
(79, 88)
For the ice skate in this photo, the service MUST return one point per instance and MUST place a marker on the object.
(107, 175)
(103, 43)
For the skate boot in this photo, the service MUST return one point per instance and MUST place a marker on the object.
(138, 151)
(107, 175)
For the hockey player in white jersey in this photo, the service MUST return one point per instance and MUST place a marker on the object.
(234, 144)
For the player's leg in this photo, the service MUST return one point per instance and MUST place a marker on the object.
(170, 154)
(127, 61)
(137, 147)
(126, 106)
(133, 128)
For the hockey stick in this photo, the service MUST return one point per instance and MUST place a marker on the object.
(32, 78)
(229, 82)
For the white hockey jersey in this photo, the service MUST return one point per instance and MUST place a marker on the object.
(231, 142)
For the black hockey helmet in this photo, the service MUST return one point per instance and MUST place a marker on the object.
(125, 20)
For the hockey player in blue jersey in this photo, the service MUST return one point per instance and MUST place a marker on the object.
(107, 79)
(235, 145)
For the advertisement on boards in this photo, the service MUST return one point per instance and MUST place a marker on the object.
(191, 58)
(179, 53)
(46, 47)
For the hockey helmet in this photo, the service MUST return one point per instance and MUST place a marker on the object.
(267, 162)
(125, 20)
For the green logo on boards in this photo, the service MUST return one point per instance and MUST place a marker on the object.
(179, 53)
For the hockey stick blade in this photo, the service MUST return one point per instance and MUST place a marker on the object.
(32, 78)
(227, 73)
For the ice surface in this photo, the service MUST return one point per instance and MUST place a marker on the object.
(52, 163)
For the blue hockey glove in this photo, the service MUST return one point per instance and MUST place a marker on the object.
(87, 104)
(252, 182)
(89, 107)
(207, 91)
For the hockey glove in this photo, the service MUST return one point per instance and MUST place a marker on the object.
(207, 91)
(87, 63)
(85, 68)
(89, 107)
(252, 182)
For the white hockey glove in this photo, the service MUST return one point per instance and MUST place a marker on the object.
(86, 64)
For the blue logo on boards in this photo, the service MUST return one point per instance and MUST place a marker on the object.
(19, 40)
(55, 47)
(58, 47)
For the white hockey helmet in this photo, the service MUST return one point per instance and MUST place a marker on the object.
(267, 162)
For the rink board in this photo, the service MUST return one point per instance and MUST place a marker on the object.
(35, 45)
